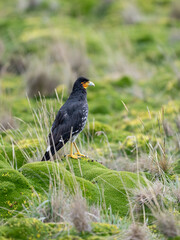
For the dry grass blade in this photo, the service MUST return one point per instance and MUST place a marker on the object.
(94, 213)
(176, 190)
(178, 123)
(167, 128)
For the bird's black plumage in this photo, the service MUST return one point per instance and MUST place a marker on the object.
(70, 119)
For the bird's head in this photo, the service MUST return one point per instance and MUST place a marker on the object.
(82, 83)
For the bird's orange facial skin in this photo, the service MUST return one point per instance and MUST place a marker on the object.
(85, 84)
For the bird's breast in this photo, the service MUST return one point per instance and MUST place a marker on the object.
(81, 121)
(84, 117)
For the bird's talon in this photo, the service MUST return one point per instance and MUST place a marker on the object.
(73, 156)
(80, 155)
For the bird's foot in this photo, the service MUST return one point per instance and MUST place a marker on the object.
(78, 154)
(72, 156)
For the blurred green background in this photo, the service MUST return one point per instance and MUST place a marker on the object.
(130, 49)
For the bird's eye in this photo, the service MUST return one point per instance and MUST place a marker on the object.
(85, 84)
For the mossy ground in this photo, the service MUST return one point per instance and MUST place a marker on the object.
(31, 228)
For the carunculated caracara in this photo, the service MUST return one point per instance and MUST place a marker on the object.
(70, 120)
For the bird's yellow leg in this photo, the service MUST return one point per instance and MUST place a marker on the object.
(71, 152)
(78, 152)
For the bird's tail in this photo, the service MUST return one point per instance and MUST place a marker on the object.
(48, 154)
(51, 151)
(46, 157)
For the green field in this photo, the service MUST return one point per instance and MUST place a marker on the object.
(129, 185)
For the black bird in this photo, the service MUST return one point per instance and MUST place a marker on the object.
(70, 120)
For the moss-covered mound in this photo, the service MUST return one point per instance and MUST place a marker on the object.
(4, 164)
(42, 174)
(14, 191)
(98, 183)
(113, 185)
(31, 228)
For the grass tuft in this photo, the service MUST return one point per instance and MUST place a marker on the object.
(51, 208)
(167, 224)
(79, 214)
(131, 14)
(7, 122)
(175, 9)
(137, 232)
(28, 5)
(17, 64)
(167, 129)
(148, 196)
(40, 79)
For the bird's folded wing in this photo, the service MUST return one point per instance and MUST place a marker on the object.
(65, 125)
